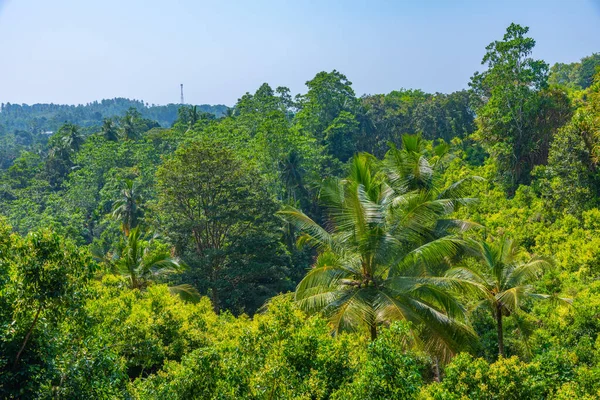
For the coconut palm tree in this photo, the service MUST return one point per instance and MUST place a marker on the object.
(292, 175)
(410, 168)
(128, 128)
(376, 253)
(71, 138)
(127, 208)
(141, 266)
(504, 276)
(109, 130)
(193, 116)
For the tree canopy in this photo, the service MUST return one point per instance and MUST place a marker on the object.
(322, 245)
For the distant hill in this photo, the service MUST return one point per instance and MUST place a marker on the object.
(40, 118)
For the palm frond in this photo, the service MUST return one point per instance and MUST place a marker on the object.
(316, 234)
(430, 254)
(186, 292)
(351, 309)
(524, 273)
(470, 275)
(447, 226)
(512, 298)
(328, 271)
(457, 190)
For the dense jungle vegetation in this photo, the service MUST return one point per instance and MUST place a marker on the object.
(322, 246)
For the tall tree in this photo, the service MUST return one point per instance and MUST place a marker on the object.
(128, 208)
(383, 239)
(571, 180)
(109, 130)
(504, 276)
(327, 112)
(50, 273)
(209, 202)
(388, 117)
(128, 129)
(62, 148)
(510, 101)
(71, 137)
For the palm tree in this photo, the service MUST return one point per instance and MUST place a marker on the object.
(71, 138)
(409, 168)
(60, 152)
(292, 174)
(128, 128)
(128, 209)
(109, 130)
(193, 116)
(141, 266)
(376, 255)
(504, 276)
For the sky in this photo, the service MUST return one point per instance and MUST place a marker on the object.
(77, 51)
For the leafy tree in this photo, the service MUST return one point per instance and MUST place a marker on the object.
(445, 116)
(263, 103)
(504, 276)
(133, 124)
(49, 274)
(209, 201)
(326, 111)
(578, 75)
(389, 117)
(511, 99)
(590, 66)
(24, 169)
(571, 180)
(189, 116)
(62, 148)
(391, 370)
(466, 377)
(341, 136)
(372, 263)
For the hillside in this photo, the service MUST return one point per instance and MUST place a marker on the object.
(402, 245)
(40, 118)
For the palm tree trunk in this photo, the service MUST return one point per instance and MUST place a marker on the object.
(35, 319)
(436, 369)
(373, 330)
(214, 296)
(499, 328)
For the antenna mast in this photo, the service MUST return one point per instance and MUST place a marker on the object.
(182, 102)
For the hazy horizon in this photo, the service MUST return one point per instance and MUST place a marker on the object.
(70, 52)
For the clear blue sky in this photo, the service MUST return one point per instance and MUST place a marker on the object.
(75, 51)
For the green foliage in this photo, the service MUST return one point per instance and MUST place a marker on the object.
(400, 112)
(389, 372)
(571, 180)
(127, 208)
(388, 235)
(512, 96)
(45, 283)
(469, 378)
(504, 278)
(212, 207)
(39, 118)
(577, 75)
(400, 242)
